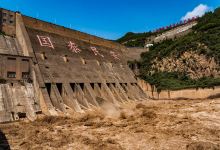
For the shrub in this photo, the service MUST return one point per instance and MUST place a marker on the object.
(204, 39)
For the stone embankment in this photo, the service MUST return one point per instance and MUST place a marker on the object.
(192, 94)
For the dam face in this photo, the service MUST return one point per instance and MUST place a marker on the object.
(49, 69)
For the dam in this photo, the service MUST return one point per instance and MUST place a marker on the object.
(52, 70)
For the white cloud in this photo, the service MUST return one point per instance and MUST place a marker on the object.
(200, 10)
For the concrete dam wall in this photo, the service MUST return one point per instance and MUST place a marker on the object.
(53, 70)
(17, 101)
(9, 45)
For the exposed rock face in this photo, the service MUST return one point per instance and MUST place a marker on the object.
(176, 32)
(190, 63)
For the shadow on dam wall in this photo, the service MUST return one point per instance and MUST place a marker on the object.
(4, 145)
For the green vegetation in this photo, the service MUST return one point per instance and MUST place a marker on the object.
(2, 33)
(131, 39)
(134, 39)
(176, 81)
(205, 39)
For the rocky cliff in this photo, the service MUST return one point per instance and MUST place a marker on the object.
(192, 64)
(191, 61)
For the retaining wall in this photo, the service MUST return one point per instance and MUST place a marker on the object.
(200, 93)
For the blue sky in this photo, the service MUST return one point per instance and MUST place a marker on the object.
(108, 18)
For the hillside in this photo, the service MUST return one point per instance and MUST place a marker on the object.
(190, 61)
(131, 39)
(134, 39)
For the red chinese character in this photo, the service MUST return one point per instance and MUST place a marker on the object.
(116, 56)
(45, 41)
(96, 52)
(73, 47)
